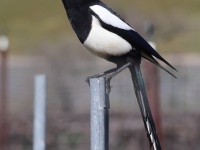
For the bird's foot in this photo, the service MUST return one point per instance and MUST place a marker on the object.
(108, 78)
(108, 86)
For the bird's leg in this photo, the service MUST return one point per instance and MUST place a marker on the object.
(113, 74)
(109, 74)
(117, 71)
(129, 61)
(102, 74)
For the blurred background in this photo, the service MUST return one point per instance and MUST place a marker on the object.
(42, 42)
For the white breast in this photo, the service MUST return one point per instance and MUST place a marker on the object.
(103, 42)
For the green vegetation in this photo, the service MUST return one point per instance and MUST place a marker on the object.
(31, 23)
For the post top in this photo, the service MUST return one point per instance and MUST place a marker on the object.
(4, 43)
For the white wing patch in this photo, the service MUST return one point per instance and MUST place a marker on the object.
(103, 43)
(109, 18)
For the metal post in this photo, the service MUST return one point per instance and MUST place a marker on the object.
(4, 43)
(39, 113)
(3, 109)
(99, 114)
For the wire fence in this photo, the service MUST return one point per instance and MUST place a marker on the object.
(68, 105)
(182, 94)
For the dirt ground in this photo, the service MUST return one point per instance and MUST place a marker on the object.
(180, 131)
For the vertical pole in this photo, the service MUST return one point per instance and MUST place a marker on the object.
(39, 113)
(3, 100)
(99, 114)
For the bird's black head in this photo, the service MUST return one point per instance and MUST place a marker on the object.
(79, 16)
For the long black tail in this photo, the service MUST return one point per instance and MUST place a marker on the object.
(153, 60)
(144, 106)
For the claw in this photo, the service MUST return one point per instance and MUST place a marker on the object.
(108, 86)
(87, 80)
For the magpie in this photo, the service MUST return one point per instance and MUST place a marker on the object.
(105, 34)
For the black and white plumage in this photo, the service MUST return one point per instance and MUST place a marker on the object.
(104, 33)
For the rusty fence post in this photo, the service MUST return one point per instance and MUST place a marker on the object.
(4, 44)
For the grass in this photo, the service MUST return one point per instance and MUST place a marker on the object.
(34, 22)
(30, 23)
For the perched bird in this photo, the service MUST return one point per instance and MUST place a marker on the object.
(104, 33)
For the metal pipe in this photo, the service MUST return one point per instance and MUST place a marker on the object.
(39, 113)
(99, 114)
